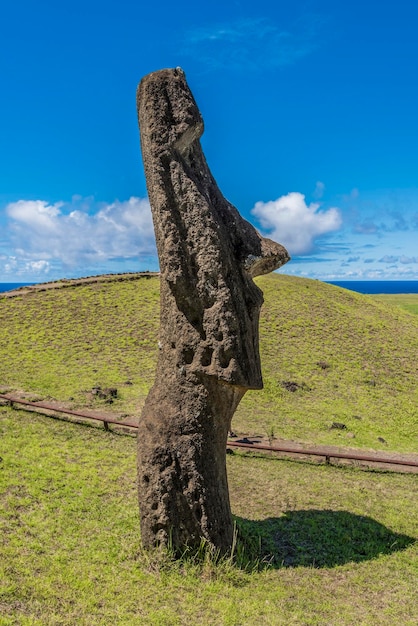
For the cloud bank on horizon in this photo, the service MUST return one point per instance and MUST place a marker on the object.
(48, 241)
(48, 238)
(61, 239)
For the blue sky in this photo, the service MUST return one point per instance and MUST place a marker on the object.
(311, 129)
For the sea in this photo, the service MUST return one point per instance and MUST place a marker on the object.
(377, 286)
(361, 286)
(11, 286)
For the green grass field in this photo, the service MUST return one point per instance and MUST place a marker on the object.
(342, 543)
(407, 301)
(318, 545)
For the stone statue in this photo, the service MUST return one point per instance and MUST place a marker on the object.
(209, 353)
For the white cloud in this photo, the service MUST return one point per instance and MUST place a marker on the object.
(34, 212)
(75, 236)
(38, 267)
(295, 224)
(10, 264)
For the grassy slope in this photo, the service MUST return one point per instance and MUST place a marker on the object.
(367, 372)
(343, 540)
(61, 343)
(352, 357)
(407, 301)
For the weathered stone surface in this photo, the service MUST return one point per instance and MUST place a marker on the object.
(210, 306)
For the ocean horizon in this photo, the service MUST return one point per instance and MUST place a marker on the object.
(360, 286)
(11, 286)
(377, 286)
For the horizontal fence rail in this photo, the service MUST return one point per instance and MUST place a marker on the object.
(325, 452)
(106, 419)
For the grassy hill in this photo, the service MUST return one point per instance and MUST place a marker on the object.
(336, 546)
(329, 356)
(407, 301)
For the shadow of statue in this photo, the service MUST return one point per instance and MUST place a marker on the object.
(317, 538)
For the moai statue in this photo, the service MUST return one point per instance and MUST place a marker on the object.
(208, 348)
